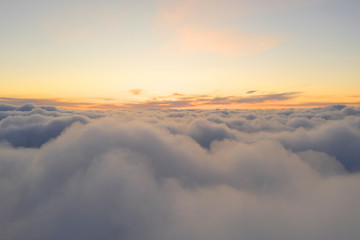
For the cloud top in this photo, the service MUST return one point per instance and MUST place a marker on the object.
(179, 174)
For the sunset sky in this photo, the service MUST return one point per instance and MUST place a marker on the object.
(180, 53)
(179, 119)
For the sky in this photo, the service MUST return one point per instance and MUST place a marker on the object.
(180, 53)
(179, 119)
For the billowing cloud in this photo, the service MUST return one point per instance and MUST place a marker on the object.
(181, 174)
(53, 102)
(30, 126)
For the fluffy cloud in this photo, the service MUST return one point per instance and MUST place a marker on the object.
(192, 174)
(31, 126)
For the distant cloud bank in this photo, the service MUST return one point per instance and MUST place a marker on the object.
(180, 174)
(251, 99)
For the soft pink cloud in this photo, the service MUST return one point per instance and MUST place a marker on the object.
(196, 26)
(203, 25)
(226, 42)
(136, 91)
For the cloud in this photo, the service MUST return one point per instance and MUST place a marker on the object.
(157, 104)
(33, 131)
(182, 174)
(339, 140)
(268, 97)
(250, 92)
(31, 126)
(225, 42)
(198, 25)
(136, 91)
(310, 104)
(195, 26)
(193, 101)
(205, 132)
(52, 102)
(177, 100)
(7, 107)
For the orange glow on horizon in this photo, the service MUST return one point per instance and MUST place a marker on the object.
(182, 101)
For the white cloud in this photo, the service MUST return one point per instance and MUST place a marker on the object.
(166, 174)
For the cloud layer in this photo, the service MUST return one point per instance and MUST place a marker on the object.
(167, 174)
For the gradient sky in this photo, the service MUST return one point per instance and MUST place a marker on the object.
(180, 53)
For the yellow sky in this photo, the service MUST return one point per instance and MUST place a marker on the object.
(90, 50)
